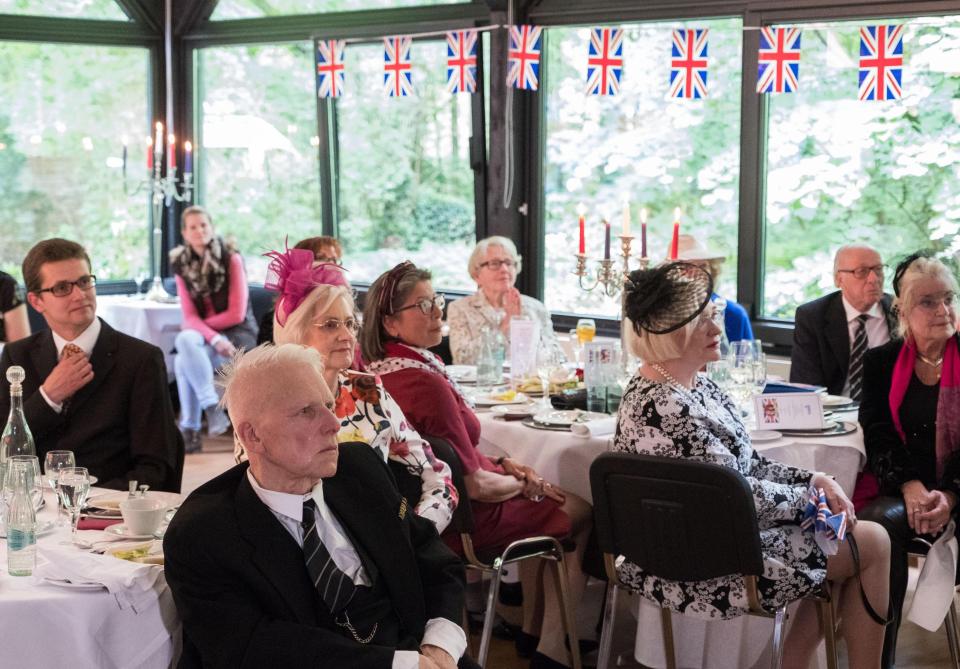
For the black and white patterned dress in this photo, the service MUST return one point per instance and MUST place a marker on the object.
(703, 424)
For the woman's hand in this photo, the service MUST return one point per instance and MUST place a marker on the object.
(934, 517)
(511, 303)
(837, 500)
(916, 500)
(224, 347)
(534, 487)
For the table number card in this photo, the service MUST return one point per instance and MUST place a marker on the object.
(789, 411)
(524, 336)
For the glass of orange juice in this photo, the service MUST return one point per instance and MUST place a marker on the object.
(586, 330)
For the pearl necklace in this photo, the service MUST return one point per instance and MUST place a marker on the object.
(669, 377)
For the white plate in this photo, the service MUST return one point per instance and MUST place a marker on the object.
(121, 530)
(73, 586)
(111, 500)
(761, 436)
(836, 401)
(514, 409)
(566, 417)
(43, 527)
(492, 401)
(463, 373)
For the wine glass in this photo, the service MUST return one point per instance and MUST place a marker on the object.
(33, 467)
(718, 371)
(73, 485)
(52, 464)
(549, 368)
(586, 330)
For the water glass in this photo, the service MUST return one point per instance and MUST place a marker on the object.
(73, 485)
(33, 468)
(719, 372)
(52, 464)
(549, 368)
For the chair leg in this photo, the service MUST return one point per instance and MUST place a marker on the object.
(466, 628)
(952, 634)
(828, 624)
(778, 624)
(490, 613)
(569, 620)
(666, 629)
(606, 632)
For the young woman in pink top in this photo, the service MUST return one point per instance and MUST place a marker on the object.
(217, 320)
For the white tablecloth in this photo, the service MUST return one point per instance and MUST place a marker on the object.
(564, 459)
(155, 322)
(51, 626)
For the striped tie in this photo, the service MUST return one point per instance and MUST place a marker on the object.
(855, 375)
(336, 589)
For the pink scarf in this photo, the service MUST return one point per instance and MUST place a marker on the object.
(948, 404)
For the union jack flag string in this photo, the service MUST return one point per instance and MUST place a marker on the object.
(462, 61)
(779, 58)
(881, 62)
(605, 61)
(688, 64)
(523, 58)
(330, 68)
(397, 70)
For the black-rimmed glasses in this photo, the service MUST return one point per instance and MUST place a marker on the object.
(64, 288)
(497, 264)
(426, 305)
(864, 272)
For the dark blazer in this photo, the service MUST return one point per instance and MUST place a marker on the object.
(242, 588)
(821, 342)
(120, 426)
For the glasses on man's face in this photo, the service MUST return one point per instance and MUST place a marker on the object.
(64, 288)
(331, 326)
(497, 264)
(932, 304)
(426, 305)
(863, 272)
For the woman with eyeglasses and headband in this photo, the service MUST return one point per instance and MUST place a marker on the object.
(315, 308)
(494, 265)
(910, 414)
(402, 319)
(670, 410)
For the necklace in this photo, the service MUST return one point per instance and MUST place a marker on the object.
(932, 363)
(668, 377)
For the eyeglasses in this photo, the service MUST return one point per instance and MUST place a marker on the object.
(331, 326)
(497, 264)
(863, 272)
(712, 313)
(426, 305)
(932, 304)
(64, 288)
(328, 259)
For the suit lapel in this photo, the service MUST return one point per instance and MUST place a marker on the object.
(43, 355)
(837, 333)
(275, 554)
(102, 359)
(886, 302)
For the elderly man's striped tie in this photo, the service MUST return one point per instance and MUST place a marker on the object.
(855, 375)
(336, 589)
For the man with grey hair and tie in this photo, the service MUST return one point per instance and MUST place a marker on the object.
(832, 333)
(306, 555)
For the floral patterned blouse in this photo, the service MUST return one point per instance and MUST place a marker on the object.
(703, 424)
(367, 413)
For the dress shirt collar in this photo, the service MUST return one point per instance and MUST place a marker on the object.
(284, 503)
(86, 341)
(873, 312)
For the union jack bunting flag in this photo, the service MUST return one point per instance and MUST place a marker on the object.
(397, 70)
(330, 68)
(779, 57)
(881, 62)
(688, 64)
(462, 61)
(604, 61)
(523, 58)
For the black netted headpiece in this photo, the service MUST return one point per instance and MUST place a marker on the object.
(666, 297)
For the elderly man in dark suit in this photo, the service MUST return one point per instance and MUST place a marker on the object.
(306, 555)
(90, 389)
(832, 333)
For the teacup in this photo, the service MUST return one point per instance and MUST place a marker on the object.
(142, 515)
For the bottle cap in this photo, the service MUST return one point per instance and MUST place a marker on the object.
(15, 375)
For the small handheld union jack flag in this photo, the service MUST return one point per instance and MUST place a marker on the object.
(779, 58)
(605, 61)
(688, 64)
(881, 62)
(330, 68)
(462, 61)
(523, 58)
(397, 70)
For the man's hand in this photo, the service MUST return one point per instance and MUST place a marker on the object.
(70, 375)
(837, 500)
(438, 656)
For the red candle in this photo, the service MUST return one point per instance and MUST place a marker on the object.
(149, 154)
(583, 239)
(675, 241)
(172, 152)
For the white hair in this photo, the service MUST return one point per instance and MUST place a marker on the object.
(480, 252)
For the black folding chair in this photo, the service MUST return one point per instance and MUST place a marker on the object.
(493, 561)
(682, 520)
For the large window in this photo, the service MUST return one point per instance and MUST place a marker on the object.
(658, 153)
(85, 9)
(258, 148)
(405, 183)
(840, 170)
(64, 167)
(244, 9)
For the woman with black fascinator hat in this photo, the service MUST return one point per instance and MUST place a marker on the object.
(670, 410)
(910, 414)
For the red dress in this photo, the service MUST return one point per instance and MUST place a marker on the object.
(434, 408)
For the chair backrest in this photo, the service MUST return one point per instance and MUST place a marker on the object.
(676, 519)
(462, 521)
(261, 301)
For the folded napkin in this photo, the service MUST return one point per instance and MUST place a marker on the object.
(600, 427)
(90, 523)
(134, 585)
(829, 529)
(935, 586)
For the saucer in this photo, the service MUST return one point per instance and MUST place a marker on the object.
(761, 436)
(121, 530)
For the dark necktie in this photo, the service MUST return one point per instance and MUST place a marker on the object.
(855, 375)
(335, 588)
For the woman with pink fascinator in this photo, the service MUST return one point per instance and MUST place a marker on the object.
(315, 308)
